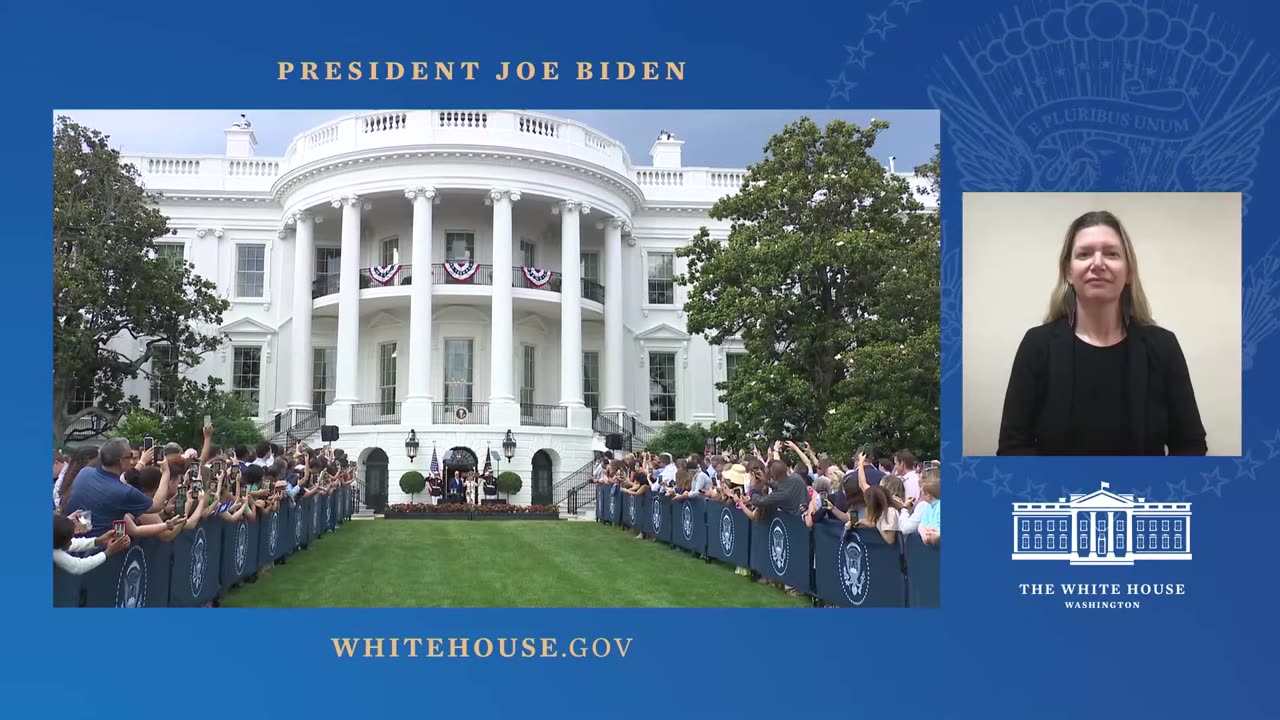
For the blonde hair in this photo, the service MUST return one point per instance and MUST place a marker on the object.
(932, 482)
(1141, 309)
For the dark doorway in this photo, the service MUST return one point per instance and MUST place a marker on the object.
(541, 480)
(462, 460)
(375, 480)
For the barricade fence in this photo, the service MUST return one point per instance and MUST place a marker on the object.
(828, 563)
(202, 564)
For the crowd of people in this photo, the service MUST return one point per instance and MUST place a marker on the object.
(892, 494)
(108, 497)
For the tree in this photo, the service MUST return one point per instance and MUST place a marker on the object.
(830, 276)
(509, 483)
(412, 483)
(232, 425)
(679, 440)
(108, 283)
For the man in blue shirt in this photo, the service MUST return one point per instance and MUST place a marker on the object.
(100, 491)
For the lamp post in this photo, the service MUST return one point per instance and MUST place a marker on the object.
(509, 446)
(411, 445)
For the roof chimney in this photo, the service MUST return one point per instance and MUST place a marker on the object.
(240, 139)
(666, 151)
(891, 168)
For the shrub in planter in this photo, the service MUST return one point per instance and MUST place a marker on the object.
(412, 483)
(514, 509)
(509, 483)
(427, 508)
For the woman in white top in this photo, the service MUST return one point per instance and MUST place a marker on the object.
(881, 514)
(65, 543)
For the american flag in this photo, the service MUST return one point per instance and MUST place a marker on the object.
(488, 460)
(435, 462)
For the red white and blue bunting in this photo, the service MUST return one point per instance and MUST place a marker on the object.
(461, 270)
(537, 277)
(384, 274)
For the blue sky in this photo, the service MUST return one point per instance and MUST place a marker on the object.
(716, 138)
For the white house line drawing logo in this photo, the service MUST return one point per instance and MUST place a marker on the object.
(631, 511)
(131, 588)
(656, 513)
(199, 559)
(726, 532)
(855, 571)
(242, 547)
(273, 534)
(778, 549)
(1102, 528)
(686, 521)
(613, 490)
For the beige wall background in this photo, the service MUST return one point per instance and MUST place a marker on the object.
(1188, 250)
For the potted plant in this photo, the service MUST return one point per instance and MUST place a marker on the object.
(516, 512)
(509, 484)
(412, 483)
(424, 511)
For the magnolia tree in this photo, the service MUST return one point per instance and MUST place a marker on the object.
(830, 277)
(119, 310)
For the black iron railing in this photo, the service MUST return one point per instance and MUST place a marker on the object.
(518, 280)
(576, 479)
(592, 290)
(482, 276)
(324, 285)
(606, 426)
(471, 413)
(404, 277)
(376, 413)
(543, 415)
(305, 423)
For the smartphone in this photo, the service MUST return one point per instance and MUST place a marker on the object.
(216, 467)
(148, 442)
(118, 528)
(181, 508)
(207, 421)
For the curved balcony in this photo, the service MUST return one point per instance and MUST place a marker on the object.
(502, 128)
(326, 285)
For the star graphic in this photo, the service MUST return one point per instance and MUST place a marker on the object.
(1105, 64)
(1144, 493)
(1017, 92)
(1067, 492)
(904, 4)
(840, 86)
(1172, 82)
(1213, 481)
(882, 21)
(1040, 81)
(999, 482)
(1179, 492)
(967, 466)
(1032, 491)
(1246, 466)
(1061, 72)
(858, 54)
(1273, 445)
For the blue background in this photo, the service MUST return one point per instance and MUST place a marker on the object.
(989, 652)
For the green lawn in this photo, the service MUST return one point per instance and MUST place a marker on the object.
(508, 563)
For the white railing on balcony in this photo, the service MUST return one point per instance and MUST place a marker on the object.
(206, 173)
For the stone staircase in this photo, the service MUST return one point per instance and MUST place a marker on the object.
(586, 514)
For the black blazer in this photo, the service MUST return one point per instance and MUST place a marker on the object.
(1162, 404)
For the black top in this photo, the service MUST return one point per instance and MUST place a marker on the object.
(1100, 400)
(1151, 396)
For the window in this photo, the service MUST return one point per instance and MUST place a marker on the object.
(1084, 523)
(1177, 525)
(387, 378)
(1151, 542)
(1026, 525)
(527, 256)
(1049, 543)
(591, 266)
(1140, 543)
(1026, 542)
(460, 245)
(1062, 542)
(251, 270)
(164, 363)
(1102, 522)
(1062, 525)
(1084, 542)
(1164, 542)
(661, 271)
(458, 373)
(526, 382)
(1038, 527)
(662, 386)
(1140, 526)
(81, 399)
(591, 379)
(172, 253)
(1177, 542)
(390, 251)
(1164, 525)
(328, 268)
(324, 367)
(730, 365)
(1119, 542)
(1039, 542)
(246, 374)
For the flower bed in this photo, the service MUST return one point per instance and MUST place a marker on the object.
(455, 511)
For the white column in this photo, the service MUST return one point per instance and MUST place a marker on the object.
(348, 354)
(571, 313)
(611, 372)
(304, 259)
(503, 408)
(417, 404)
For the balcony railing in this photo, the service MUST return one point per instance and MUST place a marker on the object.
(482, 276)
(519, 280)
(468, 413)
(592, 290)
(543, 415)
(377, 413)
(330, 284)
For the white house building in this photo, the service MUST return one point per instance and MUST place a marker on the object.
(1102, 528)
(460, 274)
